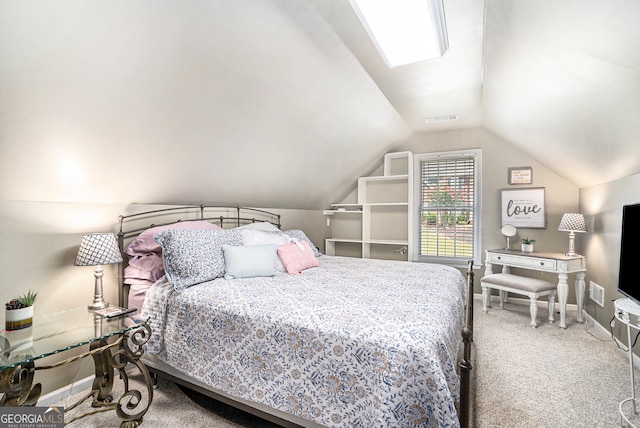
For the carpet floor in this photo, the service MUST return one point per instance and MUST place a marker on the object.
(522, 377)
(548, 376)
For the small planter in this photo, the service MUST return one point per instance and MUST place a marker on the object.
(17, 319)
(527, 245)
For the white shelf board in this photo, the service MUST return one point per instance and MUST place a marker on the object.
(370, 241)
(385, 177)
(382, 204)
(356, 241)
(332, 212)
(386, 242)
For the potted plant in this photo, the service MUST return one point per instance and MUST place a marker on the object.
(527, 245)
(19, 311)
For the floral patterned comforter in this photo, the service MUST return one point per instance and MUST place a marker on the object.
(352, 343)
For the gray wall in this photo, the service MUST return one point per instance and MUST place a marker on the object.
(602, 206)
(497, 156)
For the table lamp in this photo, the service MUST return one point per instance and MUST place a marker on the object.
(97, 249)
(572, 223)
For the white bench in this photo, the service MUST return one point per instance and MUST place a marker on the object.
(531, 287)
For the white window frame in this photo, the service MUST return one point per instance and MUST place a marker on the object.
(477, 207)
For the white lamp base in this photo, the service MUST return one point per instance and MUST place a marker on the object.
(572, 249)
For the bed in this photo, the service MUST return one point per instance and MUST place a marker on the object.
(301, 339)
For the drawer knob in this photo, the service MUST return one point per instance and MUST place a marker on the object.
(541, 263)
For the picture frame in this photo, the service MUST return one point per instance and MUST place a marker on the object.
(524, 208)
(520, 175)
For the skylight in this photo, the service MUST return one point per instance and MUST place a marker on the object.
(404, 31)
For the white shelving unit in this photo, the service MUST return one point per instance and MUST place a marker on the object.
(378, 225)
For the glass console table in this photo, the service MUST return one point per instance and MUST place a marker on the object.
(114, 343)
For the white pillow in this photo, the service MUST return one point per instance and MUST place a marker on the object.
(261, 237)
(261, 225)
(249, 261)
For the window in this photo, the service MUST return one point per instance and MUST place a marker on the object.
(448, 217)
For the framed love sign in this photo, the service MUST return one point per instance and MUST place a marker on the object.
(524, 208)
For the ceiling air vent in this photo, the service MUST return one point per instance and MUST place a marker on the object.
(438, 119)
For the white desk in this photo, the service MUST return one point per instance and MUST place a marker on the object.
(545, 262)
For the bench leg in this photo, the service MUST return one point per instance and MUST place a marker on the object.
(502, 298)
(486, 298)
(552, 306)
(533, 308)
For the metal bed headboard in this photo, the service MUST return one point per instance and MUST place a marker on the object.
(224, 216)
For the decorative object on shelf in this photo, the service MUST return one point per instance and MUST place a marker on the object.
(19, 311)
(508, 230)
(402, 250)
(572, 223)
(98, 249)
(524, 208)
(527, 245)
(520, 175)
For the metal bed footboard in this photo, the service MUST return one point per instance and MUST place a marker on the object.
(465, 363)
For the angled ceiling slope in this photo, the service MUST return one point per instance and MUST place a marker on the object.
(560, 79)
(432, 88)
(248, 101)
(562, 82)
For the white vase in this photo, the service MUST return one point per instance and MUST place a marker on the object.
(17, 319)
(527, 248)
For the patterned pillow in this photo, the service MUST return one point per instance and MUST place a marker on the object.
(194, 256)
(145, 258)
(144, 243)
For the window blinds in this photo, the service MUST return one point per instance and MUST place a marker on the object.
(446, 207)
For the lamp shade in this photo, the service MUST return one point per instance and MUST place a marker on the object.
(98, 249)
(572, 222)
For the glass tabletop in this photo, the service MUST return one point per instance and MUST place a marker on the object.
(60, 331)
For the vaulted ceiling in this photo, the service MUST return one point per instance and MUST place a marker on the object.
(560, 79)
(283, 103)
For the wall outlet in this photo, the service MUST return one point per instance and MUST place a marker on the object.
(596, 293)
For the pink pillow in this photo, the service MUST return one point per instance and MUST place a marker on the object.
(148, 267)
(297, 257)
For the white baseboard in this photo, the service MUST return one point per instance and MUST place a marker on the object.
(75, 387)
(66, 391)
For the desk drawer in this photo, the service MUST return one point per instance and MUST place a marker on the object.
(538, 263)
